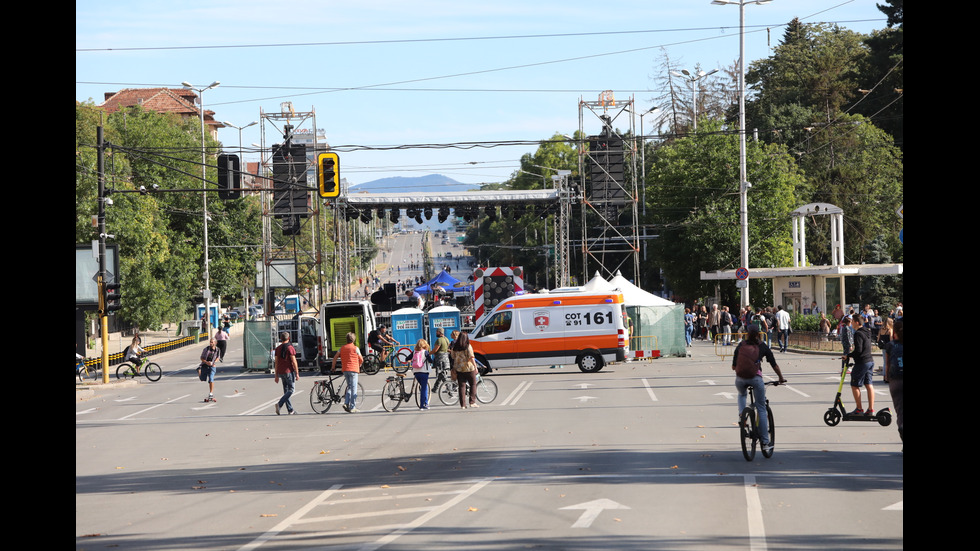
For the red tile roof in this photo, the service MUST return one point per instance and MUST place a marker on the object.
(161, 100)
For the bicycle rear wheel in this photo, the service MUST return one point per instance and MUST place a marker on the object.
(391, 395)
(772, 434)
(486, 390)
(152, 372)
(320, 398)
(125, 371)
(746, 425)
(371, 364)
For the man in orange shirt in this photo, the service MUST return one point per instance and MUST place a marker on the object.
(350, 364)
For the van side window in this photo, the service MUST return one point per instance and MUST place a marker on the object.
(499, 323)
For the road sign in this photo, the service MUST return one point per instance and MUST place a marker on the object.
(742, 273)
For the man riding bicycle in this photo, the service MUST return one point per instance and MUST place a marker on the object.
(379, 340)
(747, 364)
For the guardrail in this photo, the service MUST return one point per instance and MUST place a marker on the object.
(158, 348)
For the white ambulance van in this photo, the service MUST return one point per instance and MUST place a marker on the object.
(585, 328)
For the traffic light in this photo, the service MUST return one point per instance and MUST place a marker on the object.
(329, 174)
(229, 176)
(112, 301)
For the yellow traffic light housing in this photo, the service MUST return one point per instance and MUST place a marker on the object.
(329, 175)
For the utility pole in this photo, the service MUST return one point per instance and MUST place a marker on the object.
(103, 315)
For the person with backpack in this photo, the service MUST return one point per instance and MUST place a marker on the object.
(420, 367)
(895, 372)
(287, 369)
(747, 364)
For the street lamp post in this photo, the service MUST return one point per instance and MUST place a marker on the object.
(695, 81)
(744, 184)
(204, 195)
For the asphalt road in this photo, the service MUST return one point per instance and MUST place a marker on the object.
(638, 456)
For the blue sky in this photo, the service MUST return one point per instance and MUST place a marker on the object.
(382, 74)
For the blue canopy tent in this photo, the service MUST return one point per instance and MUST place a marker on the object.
(448, 283)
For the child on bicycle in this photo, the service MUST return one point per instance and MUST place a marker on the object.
(420, 366)
(747, 363)
(134, 353)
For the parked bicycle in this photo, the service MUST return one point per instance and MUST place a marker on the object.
(748, 424)
(398, 361)
(151, 370)
(323, 395)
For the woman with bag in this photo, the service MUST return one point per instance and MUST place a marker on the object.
(421, 368)
(464, 363)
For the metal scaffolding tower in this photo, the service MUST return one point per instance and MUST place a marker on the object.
(292, 222)
(607, 165)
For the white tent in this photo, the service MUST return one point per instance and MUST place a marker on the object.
(633, 295)
(658, 324)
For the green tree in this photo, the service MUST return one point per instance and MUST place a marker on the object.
(693, 204)
(160, 234)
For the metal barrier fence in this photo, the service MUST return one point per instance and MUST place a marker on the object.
(725, 343)
(117, 357)
(644, 347)
(808, 341)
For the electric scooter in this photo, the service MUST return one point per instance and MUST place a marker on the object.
(836, 413)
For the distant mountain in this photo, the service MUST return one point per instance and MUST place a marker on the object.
(433, 183)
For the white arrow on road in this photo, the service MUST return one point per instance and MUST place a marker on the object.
(584, 399)
(709, 381)
(584, 385)
(896, 507)
(592, 510)
(728, 395)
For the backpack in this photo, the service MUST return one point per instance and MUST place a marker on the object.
(895, 367)
(747, 365)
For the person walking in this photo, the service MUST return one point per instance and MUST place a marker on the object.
(688, 326)
(464, 362)
(350, 364)
(206, 370)
(747, 364)
(895, 373)
(420, 366)
(862, 370)
(221, 337)
(715, 321)
(783, 326)
(725, 325)
(287, 370)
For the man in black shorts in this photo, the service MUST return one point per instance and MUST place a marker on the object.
(378, 339)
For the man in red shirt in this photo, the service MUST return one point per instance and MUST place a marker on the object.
(350, 364)
(288, 370)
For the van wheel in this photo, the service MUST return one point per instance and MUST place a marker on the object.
(590, 362)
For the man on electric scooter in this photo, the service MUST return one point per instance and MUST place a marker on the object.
(864, 364)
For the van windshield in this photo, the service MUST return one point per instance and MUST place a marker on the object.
(499, 323)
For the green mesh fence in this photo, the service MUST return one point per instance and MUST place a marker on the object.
(658, 328)
(258, 345)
